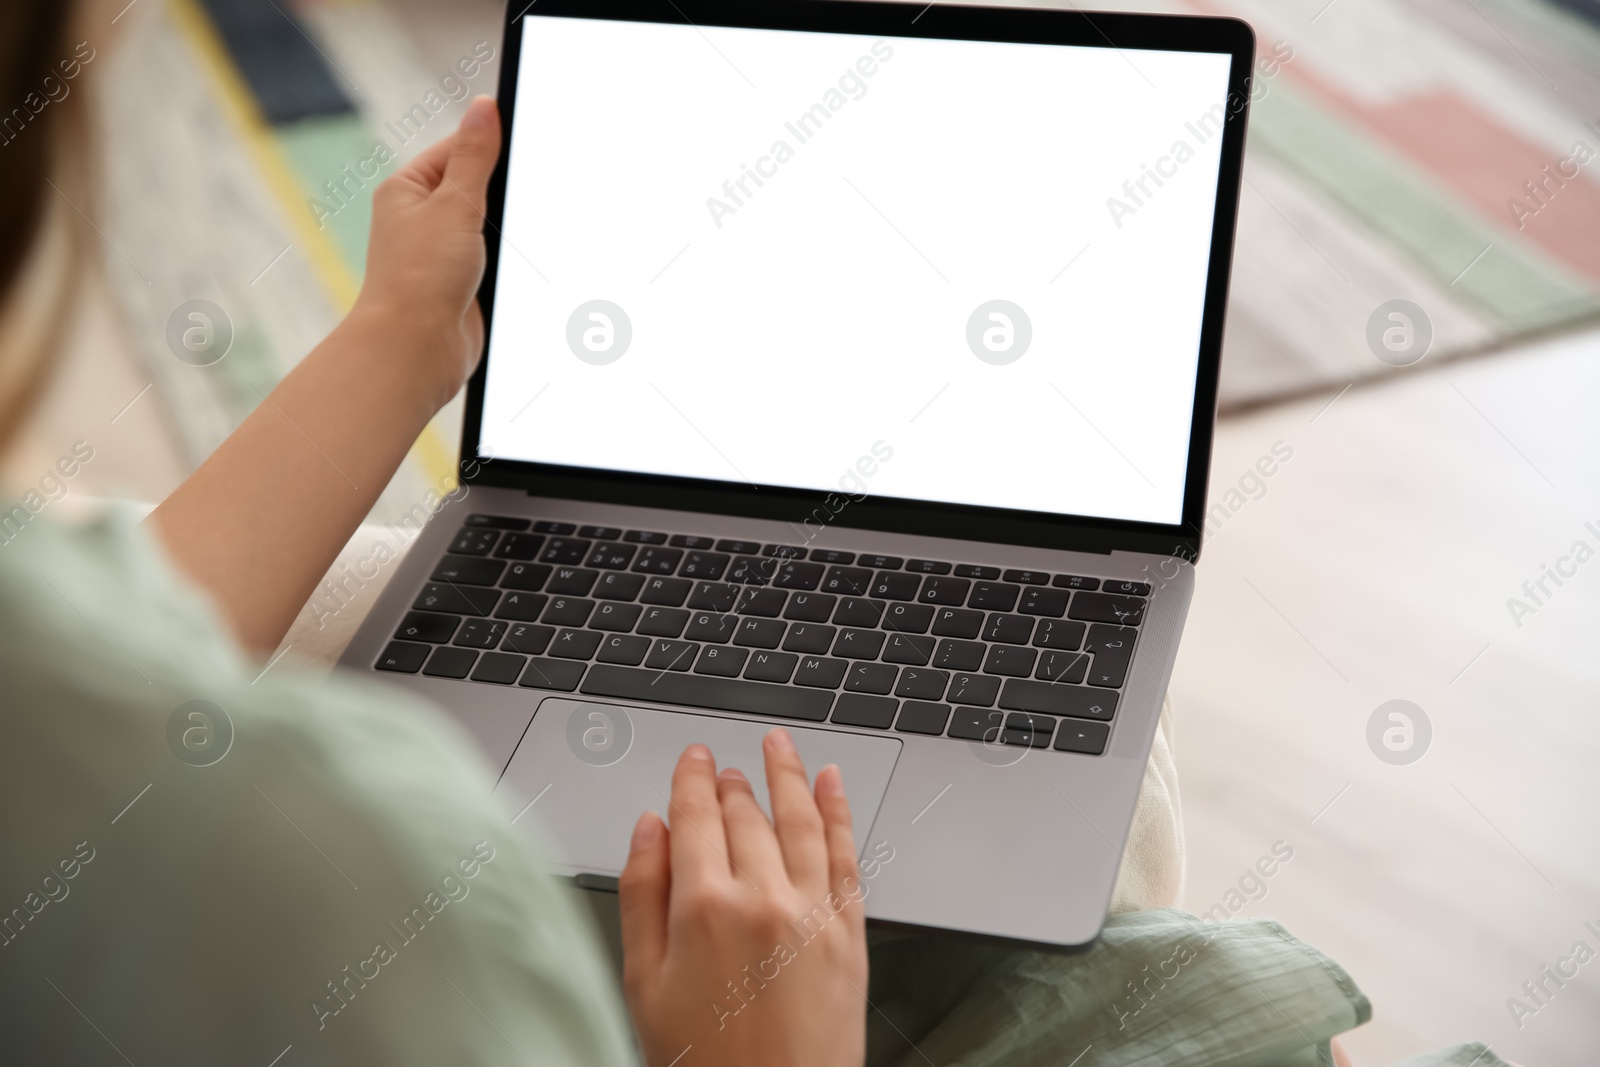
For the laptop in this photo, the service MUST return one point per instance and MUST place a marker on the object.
(851, 367)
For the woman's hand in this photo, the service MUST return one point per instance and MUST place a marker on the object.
(426, 254)
(744, 940)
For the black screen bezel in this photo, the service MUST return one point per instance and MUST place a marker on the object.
(1130, 32)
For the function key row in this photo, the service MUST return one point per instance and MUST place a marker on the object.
(482, 536)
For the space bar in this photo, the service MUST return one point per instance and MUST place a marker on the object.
(698, 691)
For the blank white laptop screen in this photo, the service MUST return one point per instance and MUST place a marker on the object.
(758, 256)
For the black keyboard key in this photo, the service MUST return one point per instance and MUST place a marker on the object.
(871, 678)
(881, 563)
(663, 622)
(691, 541)
(497, 522)
(426, 626)
(614, 585)
(921, 717)
(920, 683)
(1088, 738)
(1023, 728)
(981, 689)
(623, 648)
(847, 581)
(927, 566)
(820, 672)
(572, 581)
(564, 550)
(1113, 651)
(1010, 660)
(1008, 629)
(1101, 607)
(528, 638)
(576, 644)
(784, 552)
(994, 596)
(745, 548)
(456, 599)
(481, 633)
(698, 691)
(611, 556)
(1075, 581)
(656, 560)
(667, 592)
(1059, 634)
(859, 644)
(714, 596)
(1075, 700)
(645, 537)
(957, 622)
(403, 657)
(560, 529)
(551, 674)
(615, 617)
(528, 576)
(522, 607)
(767, 603)
(958, 655)
(853, 709)
(523, 546)
(498, 667)
(672, 655)
(833, 555)
(567, 611)
(474, 542)
(810, 607)
(977, 724)
(760, 633)
(908, 648)
(712, 626)
(1027, 577)
(857, 611)
(600, 533)
(808, 637)
(1051, 602)
(1070, 667)
(468, 570)
(721, 661)
(770, 666)
(447, 662)
(794, 574)
(895, 585)
(708, 566)
(751, 570)
(948, 591)
(908, 618)
(972, 570)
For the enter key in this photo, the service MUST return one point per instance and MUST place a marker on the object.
(1113, 651)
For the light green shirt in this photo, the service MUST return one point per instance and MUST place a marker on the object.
(337, 887)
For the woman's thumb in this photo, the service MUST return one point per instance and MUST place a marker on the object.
(475, 152)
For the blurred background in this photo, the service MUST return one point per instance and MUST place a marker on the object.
(1445, 153)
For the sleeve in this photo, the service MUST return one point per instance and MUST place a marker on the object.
(317, 872)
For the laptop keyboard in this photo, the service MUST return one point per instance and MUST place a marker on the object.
(919, 646)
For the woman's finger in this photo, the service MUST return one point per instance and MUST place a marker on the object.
(752, 846)
(844, 876)
(644, 888)
(699, 846)
(473, 154)
(794, 814)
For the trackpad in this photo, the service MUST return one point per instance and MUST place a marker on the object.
(585, 771)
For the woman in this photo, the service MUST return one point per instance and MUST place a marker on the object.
(323, 877)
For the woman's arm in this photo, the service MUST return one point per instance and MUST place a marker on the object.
(265, 516)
